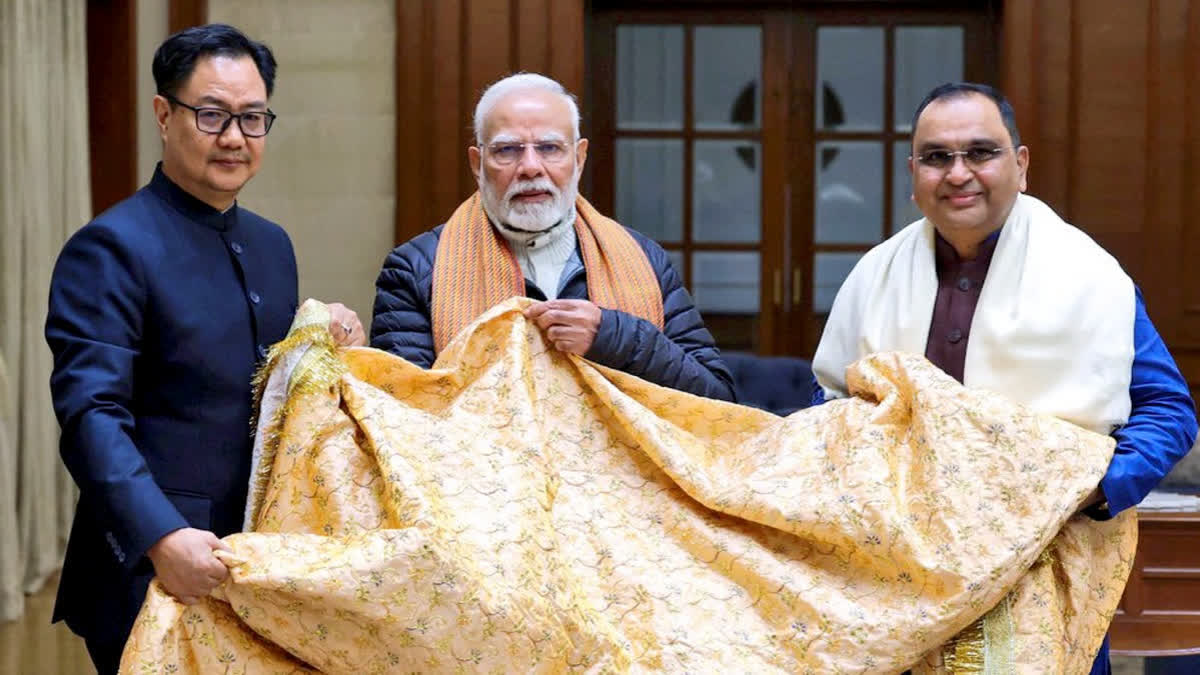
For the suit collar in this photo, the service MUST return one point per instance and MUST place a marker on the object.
(191, 207)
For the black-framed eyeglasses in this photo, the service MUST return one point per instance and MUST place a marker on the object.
(505, 153)
(974, 157)
(253, 123)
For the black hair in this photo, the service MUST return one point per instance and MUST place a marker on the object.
(961, 89)
(176, 57)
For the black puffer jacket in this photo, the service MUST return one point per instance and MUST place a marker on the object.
(681, 356)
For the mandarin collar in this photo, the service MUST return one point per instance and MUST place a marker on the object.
(947, 255)
(191, 207)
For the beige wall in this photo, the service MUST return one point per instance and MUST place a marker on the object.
(151, 31)
(328, 176)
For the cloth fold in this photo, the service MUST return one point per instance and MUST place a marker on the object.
(516, 509)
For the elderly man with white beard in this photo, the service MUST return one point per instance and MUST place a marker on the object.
(604, 292)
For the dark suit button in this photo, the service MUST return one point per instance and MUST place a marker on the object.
(263, 351)
(255, 298)
(955, 336)
(116, 548)
(964, 284)
(237, 248)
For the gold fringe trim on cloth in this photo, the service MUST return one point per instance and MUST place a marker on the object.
(966, 652)
(521, 511)
(319, 369)
(986, 646)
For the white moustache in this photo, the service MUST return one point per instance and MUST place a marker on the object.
(536, 185)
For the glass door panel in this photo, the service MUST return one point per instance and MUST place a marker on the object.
(688, 160)
(726, 282)
(649, 186)
(850, 73)
(869, 80)
(650, 77)
(727, 77)
(904, 209)
(849, 192)
(726, 191)
(766, 147)
(925, 57)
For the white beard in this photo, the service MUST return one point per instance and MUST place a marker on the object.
(532, 218)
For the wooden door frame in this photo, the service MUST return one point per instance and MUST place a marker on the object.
(981, 27)
(773, 124)
(787, 325)
(112, 100)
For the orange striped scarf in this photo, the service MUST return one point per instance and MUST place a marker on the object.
(474, 269)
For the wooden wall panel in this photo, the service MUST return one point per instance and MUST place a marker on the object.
(112, 96)
(1020, 51)
(1051, 66)
(1165, 184)
(1109, 83)
(566, 40)
(487, 43)
(185, 14)
(1036, 67)
(1110, 79)
(1105, 94)
(1189, 329)
(1107, 100)
(532, 18)
(447, 52)
(1185, 249)
(448, 130)
(413, 159)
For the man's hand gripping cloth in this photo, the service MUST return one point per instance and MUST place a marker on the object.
(516, 509)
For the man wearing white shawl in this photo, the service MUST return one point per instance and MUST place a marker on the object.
(1058, 325)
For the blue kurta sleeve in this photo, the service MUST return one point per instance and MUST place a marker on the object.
(818, 393)
(1162, 421)
(94, 328)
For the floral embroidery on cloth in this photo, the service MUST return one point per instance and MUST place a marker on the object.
(515, 509)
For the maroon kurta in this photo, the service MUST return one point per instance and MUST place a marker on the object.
(959, 284)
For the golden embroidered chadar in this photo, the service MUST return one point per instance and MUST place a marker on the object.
(516, 509)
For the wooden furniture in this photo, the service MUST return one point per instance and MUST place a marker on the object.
(1159, 614)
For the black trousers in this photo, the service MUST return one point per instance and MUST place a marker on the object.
(106, 656)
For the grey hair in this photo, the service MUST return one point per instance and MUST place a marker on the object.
(522, 82)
